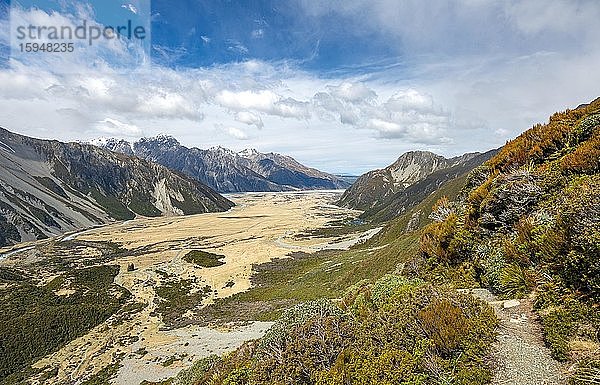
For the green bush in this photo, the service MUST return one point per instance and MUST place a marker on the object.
(204, 258)
(491, 261)
(587, 372)
(445, 324)
(558, 328)
(396, 331)
(196, 372)
(516, 281)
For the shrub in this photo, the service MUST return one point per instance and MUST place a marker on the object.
(558, 327)
(437, 238)
(516, 281)
(587, 372)
(585, 129)
(239, 376)
(586, 157)
(445, 324)
(389, 285)
(204, 258)
(406, 332)
(441, 210)
(197, 371)
(309, 348)
(513, 195)
(578, 218)
(490, 261)
(368, 366)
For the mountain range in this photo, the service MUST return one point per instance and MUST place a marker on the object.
(225, 170)
(48, 188)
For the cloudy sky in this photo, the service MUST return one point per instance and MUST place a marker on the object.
(341, 85)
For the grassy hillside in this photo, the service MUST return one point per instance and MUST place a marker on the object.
(352, 279)
(526, 223)
(529, 224)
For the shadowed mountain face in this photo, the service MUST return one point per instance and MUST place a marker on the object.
(404, 199)
(49, 187)
(226, 170)
(389, 192)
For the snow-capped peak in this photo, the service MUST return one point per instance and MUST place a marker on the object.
(100, 142)
(113, 144)
(222, 150)
(162, 139)
(249, 153)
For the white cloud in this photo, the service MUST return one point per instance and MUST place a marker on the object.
(258, 33)
(451, 106)
(249, 118)
(577, 18)
(409, 99)
(116, 127)
(262, 100)
(166, 104)
(233, 132)
(353, 92)
(237, 47)
(266, 101)
(130, 7)
(291, 108)
(386, 128)
(408, 114)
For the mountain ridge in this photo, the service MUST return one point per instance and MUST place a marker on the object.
(226, 170)
(49, 187)
(375, 187)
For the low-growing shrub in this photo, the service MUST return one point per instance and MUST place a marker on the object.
(445, 324)
(559, 326)
(204, 258)
(397, 331)
(516, 281)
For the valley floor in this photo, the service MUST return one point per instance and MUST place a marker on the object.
(154, 340)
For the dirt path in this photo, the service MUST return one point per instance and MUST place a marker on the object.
(519, 354)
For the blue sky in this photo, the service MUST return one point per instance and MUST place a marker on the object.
(225, 31)
(342, 85)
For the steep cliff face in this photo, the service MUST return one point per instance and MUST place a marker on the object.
(49, 187)
(226, 170)
(375, 187)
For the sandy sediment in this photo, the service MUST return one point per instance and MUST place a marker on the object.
(261, 227)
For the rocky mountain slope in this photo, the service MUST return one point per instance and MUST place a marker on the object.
(375, 186)
(49, 187)
(388, 192)
(226, 170)
(399, 202)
